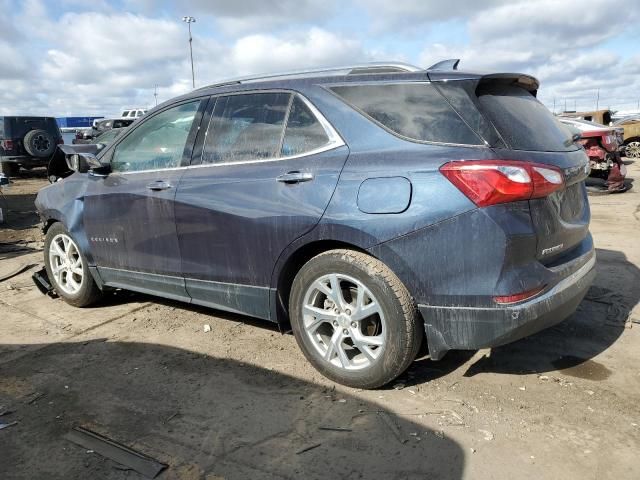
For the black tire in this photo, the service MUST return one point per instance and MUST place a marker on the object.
(10, 169)
(402, 323)
(39, 143)
(89, 293)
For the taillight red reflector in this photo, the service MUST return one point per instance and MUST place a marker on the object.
(518, 297)
(7, 144)
(488, 182)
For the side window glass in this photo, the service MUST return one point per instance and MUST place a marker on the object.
(246, 127)
(157, 143)
(304, 132)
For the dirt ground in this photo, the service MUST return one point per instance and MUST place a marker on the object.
(240, 401)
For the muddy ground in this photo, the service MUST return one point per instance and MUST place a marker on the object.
(241, 402)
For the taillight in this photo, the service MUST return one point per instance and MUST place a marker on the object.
(60, 141)
(7, 144)
(518, 297)
(488, 182)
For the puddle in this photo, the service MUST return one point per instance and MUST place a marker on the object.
(581, 368)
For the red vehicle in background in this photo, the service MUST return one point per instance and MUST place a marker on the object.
(602, 145)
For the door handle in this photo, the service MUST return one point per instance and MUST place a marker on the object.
(295, 177)
(159, 185)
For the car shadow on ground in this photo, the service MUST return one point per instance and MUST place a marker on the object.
(202, 416)
(571, 345)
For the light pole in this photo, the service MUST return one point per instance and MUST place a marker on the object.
(189, 21)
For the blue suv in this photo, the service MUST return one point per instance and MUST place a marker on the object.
(371, 207)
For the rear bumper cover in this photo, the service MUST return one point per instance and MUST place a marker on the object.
(470, 328)
(25, 160)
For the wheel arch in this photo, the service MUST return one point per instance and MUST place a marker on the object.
(284, 275)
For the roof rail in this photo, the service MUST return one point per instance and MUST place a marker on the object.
(356, 69)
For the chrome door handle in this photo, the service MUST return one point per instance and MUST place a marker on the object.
(295, 177)
(159, 185)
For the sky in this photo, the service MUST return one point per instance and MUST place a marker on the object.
(96, 57)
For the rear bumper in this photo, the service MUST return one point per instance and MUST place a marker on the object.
(470, 328)
(26, 160)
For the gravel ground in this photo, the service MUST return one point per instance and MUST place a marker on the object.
(240, 401)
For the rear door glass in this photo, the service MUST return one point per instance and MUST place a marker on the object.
(246, 127)
(522, 121)
(416, 111)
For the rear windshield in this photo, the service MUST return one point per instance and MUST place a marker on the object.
(523, 122)
(416, 111)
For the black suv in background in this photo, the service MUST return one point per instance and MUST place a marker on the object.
(27, 141)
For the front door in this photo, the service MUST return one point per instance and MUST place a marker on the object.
(268, 168)
(129, 214)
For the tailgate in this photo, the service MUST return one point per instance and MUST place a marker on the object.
(561, 220)
(503, 110)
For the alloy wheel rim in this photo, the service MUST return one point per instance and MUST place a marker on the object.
(41, 143)
(66, 264)
(633, 150)
(344, 322)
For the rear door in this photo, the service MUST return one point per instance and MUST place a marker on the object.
(255, 188)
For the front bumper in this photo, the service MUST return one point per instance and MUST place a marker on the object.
(470, 328)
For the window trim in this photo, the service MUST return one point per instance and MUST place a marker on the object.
(335, 140)
(328, 88)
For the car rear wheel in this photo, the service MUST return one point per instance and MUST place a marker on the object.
(67, 268)
(353, 319)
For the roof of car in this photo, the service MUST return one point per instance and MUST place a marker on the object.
(358, 73)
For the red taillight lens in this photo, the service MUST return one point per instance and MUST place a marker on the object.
(60, 141)
(488, 182)
(7, 144)
(518, 297)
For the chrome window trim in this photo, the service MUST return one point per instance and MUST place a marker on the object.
(335, 140)
(326, 148)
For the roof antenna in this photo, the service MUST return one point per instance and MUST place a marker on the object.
(450, 64)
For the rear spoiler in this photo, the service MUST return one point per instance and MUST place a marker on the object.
(520, 79)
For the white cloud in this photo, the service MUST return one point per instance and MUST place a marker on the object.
(97, 58)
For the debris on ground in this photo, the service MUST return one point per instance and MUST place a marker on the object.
(7, 425)
(488, 436)
(392, 426)
(16, 271)
(336, 429)
(207, 328)
(307, 448)
(35, 396)
(115, 451)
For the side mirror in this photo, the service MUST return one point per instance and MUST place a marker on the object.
(82, 158)
(83, 162)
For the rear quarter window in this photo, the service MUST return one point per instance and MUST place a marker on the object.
(415, 111)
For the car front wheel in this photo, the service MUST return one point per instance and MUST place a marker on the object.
(354, 319)
(67, 268)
